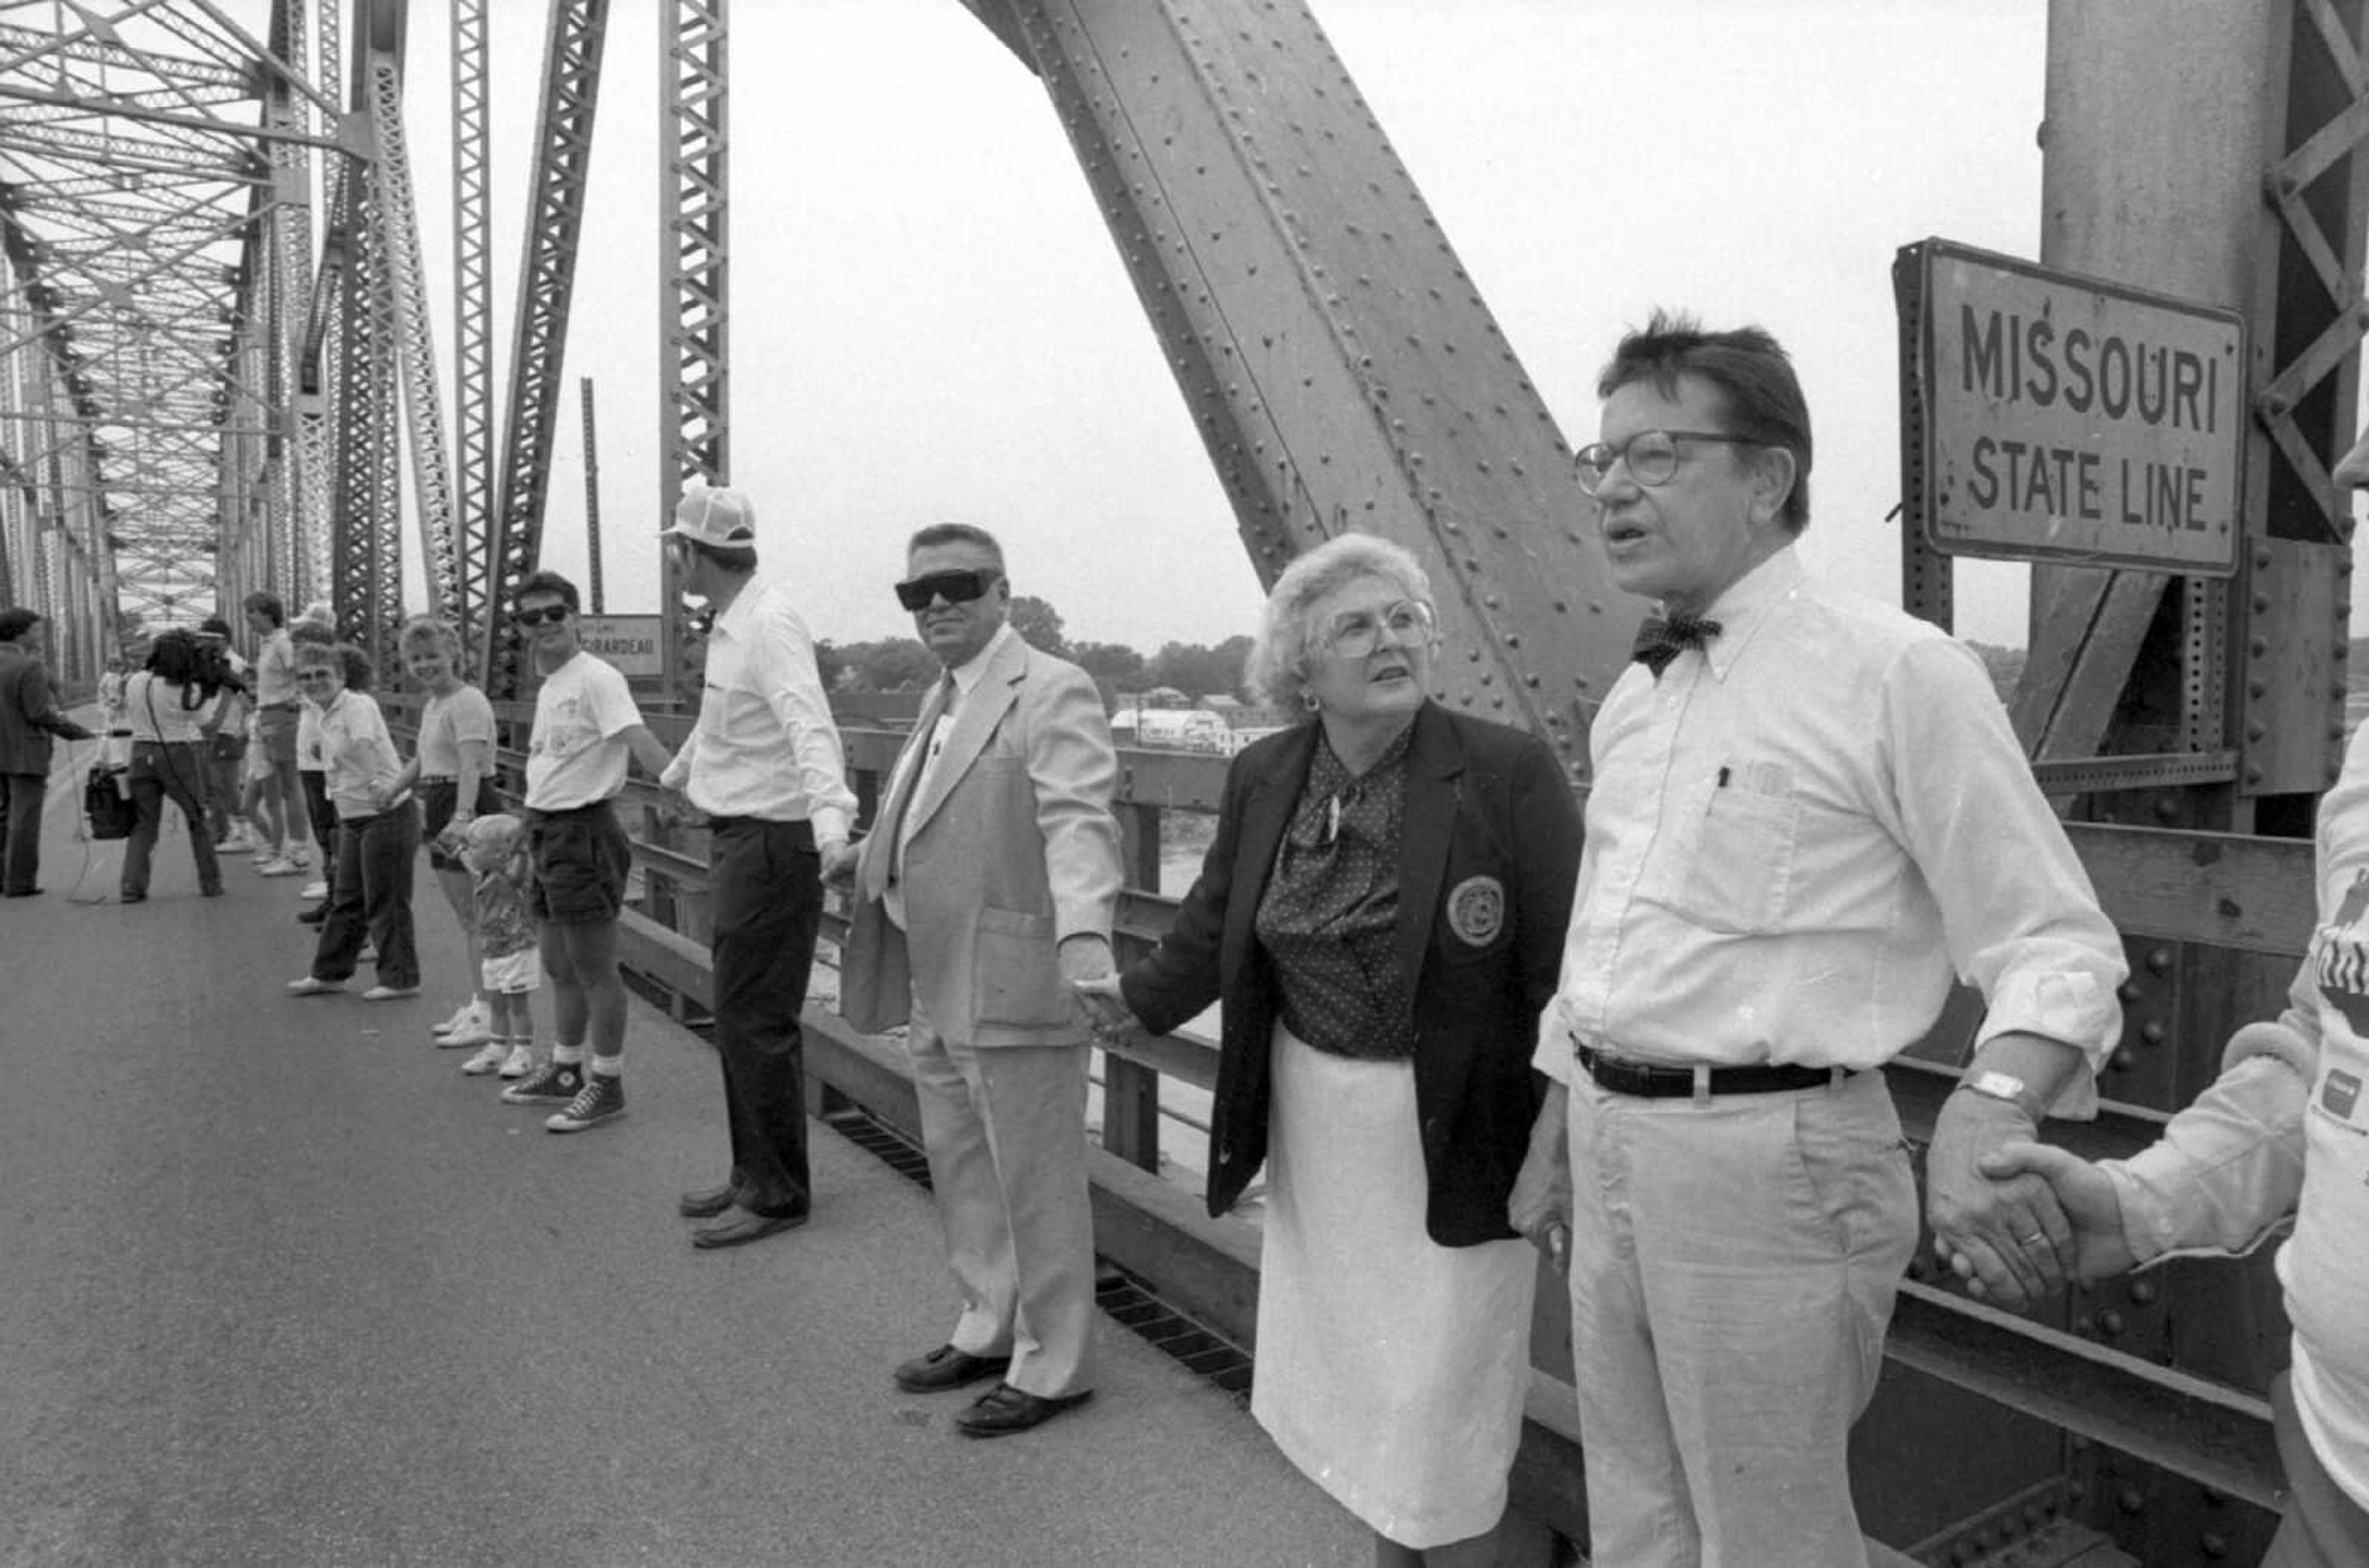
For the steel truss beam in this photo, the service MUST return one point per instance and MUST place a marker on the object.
(571, 87)
(2241, 185)
(473, 321)
(1340, 364)
(695, 268)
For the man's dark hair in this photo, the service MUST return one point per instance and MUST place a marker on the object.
(956, 533)
(15, 621)
(214, 627)
(549, 583)
(273, 611)
(1753, 374)
(738, 559)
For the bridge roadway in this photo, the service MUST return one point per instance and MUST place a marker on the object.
(280, 1286)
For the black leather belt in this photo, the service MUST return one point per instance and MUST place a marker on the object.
(1649, 1082)
(801, 832)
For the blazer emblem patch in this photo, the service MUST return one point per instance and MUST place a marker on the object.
(1476, 911)
(2340, 1094)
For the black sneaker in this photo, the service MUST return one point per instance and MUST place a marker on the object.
(602, 1099)
(552, 1080)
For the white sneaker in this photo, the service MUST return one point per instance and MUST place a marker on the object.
(280, 865)
(489, 1059)
(299, 856)
(520, 1062)
(316, 888)
(461, 1015)
(477, 1028)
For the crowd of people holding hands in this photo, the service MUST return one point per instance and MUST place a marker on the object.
(1468, 1026)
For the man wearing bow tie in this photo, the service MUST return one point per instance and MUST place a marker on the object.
(985, 888)
(1809, 814)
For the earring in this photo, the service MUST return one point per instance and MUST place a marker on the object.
(1307, 700)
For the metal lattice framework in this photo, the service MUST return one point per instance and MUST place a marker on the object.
(563, 143)
(132, 192)
(694, 265)
(473, 315)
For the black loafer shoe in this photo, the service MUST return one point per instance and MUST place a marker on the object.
(1003, 1410)
(705, 1204)
(946, 1368)
(743, 1228)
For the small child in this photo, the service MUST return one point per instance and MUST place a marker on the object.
(512, 967)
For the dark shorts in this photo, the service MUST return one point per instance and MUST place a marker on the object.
(581, 860)
(439, 799)
(275, 725)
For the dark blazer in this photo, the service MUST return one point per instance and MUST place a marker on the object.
(27, 714)
(1490, 820)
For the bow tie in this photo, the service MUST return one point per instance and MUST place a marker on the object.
(1660, 641)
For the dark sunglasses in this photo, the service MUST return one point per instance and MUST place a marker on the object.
(549, 615)
(955, 588)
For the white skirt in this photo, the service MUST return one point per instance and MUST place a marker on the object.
(1389, 1368)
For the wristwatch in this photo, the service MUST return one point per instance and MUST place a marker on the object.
(2005, 1086)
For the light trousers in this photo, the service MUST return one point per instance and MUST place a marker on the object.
(1734, 1264)
(1006, 1130)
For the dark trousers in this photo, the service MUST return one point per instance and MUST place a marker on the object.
(174, 772)
(768, 903)
(323, 815)
(369, 893)
(20, 829)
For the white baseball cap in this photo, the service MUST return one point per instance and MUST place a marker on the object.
(714, 515)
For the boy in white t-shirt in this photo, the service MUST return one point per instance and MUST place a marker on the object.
(587, 731)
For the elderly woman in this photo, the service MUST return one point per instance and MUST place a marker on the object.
(453, 768)
(1381, 914)
(370, 891)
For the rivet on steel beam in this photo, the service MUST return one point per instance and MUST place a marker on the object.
(2128, 993)
(2262, 560)
(2257, 731)
(2256, 688)
(2275, 405)
(2262, 604)
(1531, 682)
(2152, 1033)
(2158, 960)
(2258, 647)
(2253, 775)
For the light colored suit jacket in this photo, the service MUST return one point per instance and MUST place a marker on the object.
(1009, 847)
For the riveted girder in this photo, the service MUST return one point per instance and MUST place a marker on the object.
(1341, 365)
(562, 146)
(694, 265)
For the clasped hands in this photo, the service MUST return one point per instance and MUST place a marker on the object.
(1094, 986)
(2014, 1218)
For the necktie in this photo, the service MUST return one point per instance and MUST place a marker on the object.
(892, 818)
(1660, 641)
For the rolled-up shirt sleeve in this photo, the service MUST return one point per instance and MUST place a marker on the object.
(783, 666)
(2018, 914)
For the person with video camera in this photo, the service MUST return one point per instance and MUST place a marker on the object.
(168, 704)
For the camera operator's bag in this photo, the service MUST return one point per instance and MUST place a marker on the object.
(109, 808)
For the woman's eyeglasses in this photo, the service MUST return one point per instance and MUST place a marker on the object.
(1359, 632)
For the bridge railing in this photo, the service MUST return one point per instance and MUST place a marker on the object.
(2228, 898)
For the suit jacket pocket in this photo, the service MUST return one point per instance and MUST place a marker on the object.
(1016, 971)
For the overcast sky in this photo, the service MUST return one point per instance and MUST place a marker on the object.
(930, 321)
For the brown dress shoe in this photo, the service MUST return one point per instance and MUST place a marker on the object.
(705, 1204)
(946, 1368)
(1003, 1410)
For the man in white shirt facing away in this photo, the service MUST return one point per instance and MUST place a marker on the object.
(1808, 815)
(763, 766)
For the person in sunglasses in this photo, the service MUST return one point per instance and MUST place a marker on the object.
(1809, 816)
(1380, 915)
(587, 731)
(985, 886)
(763, 765)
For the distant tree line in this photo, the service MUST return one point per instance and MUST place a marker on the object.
(903, 664)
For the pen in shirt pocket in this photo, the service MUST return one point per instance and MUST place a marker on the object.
(1723, 776)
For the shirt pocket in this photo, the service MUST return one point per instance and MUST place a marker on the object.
(1737, 876)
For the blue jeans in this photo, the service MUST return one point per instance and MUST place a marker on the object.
(174, 772)
(369, 893)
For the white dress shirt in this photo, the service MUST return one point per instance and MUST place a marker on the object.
(1801, 833)
(765, 744)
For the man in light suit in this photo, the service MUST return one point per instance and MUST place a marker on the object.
(986, 890)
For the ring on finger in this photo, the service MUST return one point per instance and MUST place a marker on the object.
(2035, 1236)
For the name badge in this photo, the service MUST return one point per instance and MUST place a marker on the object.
(2339, 1094)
